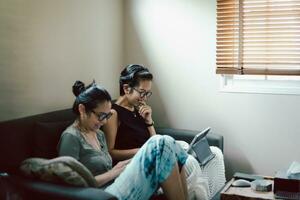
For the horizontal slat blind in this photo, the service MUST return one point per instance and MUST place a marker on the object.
(258, 37)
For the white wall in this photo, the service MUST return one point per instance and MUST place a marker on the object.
(45, 45)
(176, 39)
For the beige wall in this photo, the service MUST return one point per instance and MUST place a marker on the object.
(176, 39)
(45, 45)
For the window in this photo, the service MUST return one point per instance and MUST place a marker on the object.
(260, 37)
(261, 84)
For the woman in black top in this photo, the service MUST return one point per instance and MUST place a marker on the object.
(131, 124)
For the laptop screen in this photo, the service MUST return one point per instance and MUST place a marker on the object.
(198, 137)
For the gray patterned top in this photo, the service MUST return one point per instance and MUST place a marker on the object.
(72, 143)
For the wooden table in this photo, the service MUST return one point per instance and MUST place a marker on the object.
(245, 193)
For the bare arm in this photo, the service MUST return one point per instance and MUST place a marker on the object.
(151, 130)
(110, 130)
(111, 174)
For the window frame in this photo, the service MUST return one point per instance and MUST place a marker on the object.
(260, 84)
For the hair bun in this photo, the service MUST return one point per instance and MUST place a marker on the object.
(78, 88)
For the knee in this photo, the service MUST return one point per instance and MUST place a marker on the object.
(192, 166)
(218, 153)
(163, 140)
(161, 144)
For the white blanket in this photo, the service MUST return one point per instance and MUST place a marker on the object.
(204, 182)
(214, 172)
(196, 185)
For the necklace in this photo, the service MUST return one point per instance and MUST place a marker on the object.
(131, 109)
(94, 142)
(134, 113)
(96, 145)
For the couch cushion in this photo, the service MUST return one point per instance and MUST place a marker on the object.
(64, 169)
(46, 137)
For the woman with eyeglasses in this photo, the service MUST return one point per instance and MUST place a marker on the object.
(159, 162)
(131, 124)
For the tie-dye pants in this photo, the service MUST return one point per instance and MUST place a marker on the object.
(148, 168)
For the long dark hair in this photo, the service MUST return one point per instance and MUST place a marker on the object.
(90, 96)
(132, 75)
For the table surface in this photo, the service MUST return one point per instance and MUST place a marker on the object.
(245, 193)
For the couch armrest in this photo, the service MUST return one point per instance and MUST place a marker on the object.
(31, 189)
(187, 135)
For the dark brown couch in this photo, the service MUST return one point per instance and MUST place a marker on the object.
(37, 136)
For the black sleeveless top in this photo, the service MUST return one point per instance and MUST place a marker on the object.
(132, 131)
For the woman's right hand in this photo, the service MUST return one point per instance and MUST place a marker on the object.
(119, 167)
(146, 112)
(111, 174)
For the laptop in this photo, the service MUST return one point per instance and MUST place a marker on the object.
(199, 148)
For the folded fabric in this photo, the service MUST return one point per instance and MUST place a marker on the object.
(64, 169)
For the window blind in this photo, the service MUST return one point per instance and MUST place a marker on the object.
(258, 37)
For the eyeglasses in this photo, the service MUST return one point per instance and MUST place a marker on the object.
(102, 116)
(143, 93)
